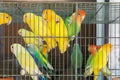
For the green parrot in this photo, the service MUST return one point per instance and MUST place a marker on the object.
(26, 61)
(89, 71)
(76, 56)
(93, 50)
(43, 61)
(98, 62)
(73, 21)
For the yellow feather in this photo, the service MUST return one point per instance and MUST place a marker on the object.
(96, 73)
(5, 18)
(57, 27)
(25, 59)
(101, 58)
(39, 27)
(29, 37)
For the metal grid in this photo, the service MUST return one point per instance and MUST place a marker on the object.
(96, 13)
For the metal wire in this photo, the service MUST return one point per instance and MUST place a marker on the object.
(61, 62)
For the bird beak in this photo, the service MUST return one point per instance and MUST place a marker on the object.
(83, 18)
(11, 49)
(19, 33)
(24, 19)
(88, 47)
(45, 20)
(27, 45)
(9, 22)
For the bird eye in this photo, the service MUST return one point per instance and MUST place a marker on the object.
(57, 20)
(12, 46)
(46, 12)
(25, 16)
(7, 17)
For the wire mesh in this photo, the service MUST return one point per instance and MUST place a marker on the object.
(107, 14)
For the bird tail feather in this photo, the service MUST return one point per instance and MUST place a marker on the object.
(50, 66)
(88, 72)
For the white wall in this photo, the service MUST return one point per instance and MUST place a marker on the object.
(114, 0)
(114, 31)
(100, 0)
(100, 27)
(100, 31)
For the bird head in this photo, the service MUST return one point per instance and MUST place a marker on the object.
(48, 15)
(16, 48)
(79, 16)
(29, 18)
(22, 32)
(5, 18)
(92, 49)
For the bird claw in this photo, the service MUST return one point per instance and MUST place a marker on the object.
(68, 45)
(40, 39)
(23, 72)
(73, 38)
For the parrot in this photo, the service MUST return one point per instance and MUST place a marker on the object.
(39, 27)
(26, 61)
(98, 61)
(5, 18)
(30, 38)
(93, 50)
(76, 56)
(57, 27)
(73, 23)
(24, 72)
(43, 61)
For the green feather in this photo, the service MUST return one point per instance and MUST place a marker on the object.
(43, 61)
(89, 61)
(72, 27)
(76, 56)
(106, 71)
(88, 68)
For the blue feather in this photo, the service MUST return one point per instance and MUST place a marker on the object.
(41, 78)
(38, 64)
(35, 58)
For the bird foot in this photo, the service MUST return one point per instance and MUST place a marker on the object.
(23, 72)
(73, 37)
(68, 45)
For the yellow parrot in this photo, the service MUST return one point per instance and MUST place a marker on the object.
(26, 61)
(5, 18)
(39, 27)
(57, 27)
(99, 61)
(30, 38)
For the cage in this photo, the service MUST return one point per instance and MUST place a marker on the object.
(96, 28)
